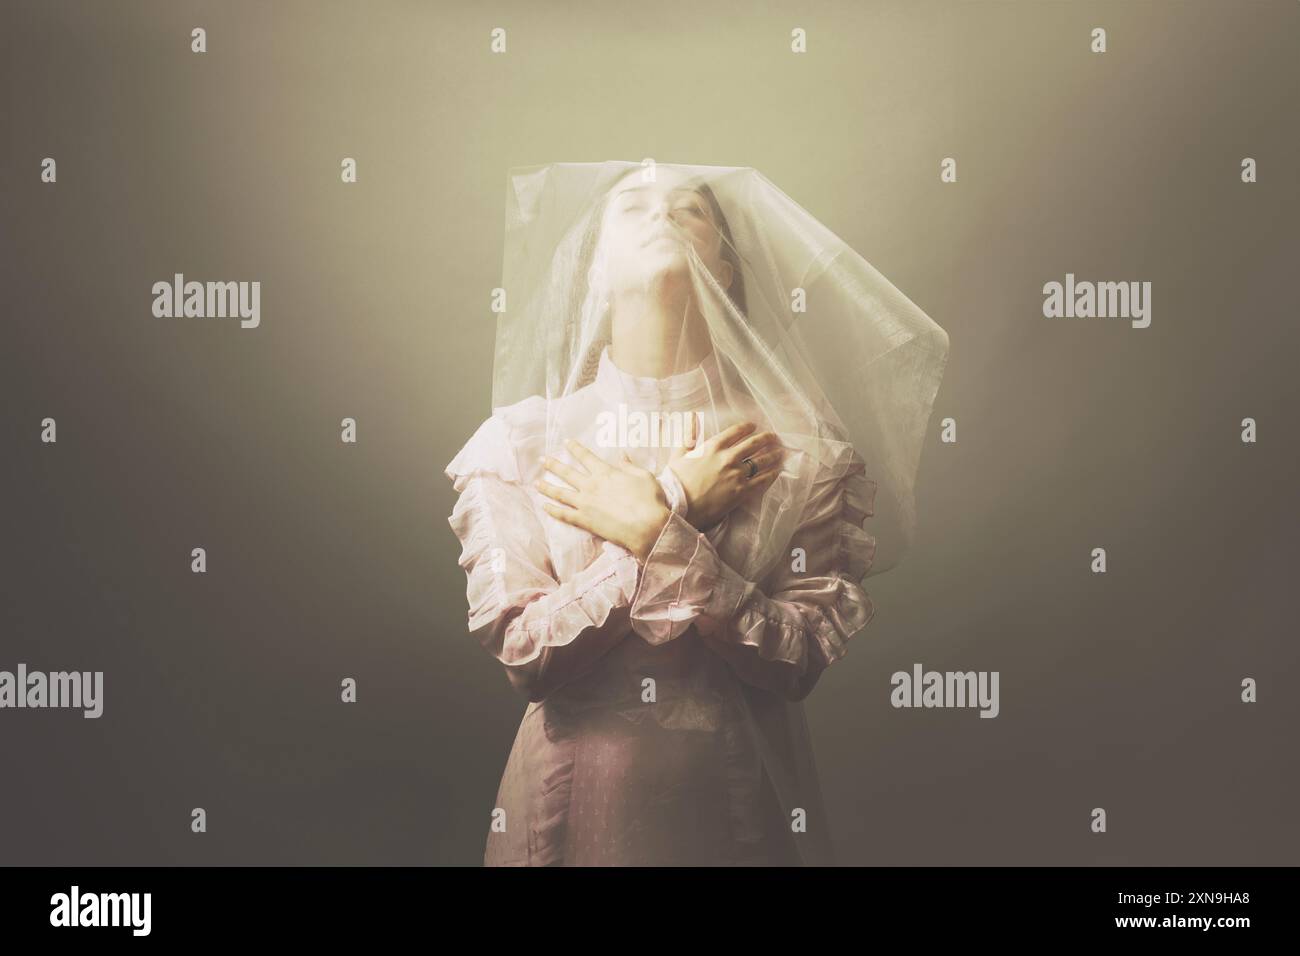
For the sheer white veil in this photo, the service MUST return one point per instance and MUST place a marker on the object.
(807, 338)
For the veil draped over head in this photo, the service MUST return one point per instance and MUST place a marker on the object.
(706, 290)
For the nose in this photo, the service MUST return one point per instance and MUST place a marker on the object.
(659, 217)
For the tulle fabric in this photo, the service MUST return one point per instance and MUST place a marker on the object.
(808, 339)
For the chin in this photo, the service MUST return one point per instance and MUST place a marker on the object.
(667, 269)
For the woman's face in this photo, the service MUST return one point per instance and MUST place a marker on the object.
(646, 226)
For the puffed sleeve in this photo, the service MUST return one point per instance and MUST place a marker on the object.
(545, 633)
(781, 639)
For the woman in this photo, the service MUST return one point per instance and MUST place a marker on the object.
(610, 530)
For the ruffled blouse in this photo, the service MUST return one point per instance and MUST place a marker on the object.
(664, 723)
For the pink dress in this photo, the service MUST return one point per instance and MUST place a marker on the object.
(665, 723)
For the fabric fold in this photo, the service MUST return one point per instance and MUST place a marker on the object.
(685, 582)
(511, 435)
(517, 607)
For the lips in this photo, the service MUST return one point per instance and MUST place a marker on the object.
(662, 234)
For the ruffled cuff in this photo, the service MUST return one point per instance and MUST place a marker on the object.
(684, 582)
(585, 602)
(673, 490)
(515, 609)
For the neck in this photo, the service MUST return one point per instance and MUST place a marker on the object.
(657, 336)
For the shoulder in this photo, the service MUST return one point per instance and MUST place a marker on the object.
(840, 500)
(508, 444)
(841, 479)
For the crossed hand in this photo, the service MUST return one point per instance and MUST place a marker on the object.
(623, 503)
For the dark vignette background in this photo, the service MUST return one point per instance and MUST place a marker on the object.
(327, 561)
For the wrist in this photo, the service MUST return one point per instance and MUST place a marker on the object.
(649, 532)
(674, 492)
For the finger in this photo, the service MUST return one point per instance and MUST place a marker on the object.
(567, 515)
(593, 462)
(765, 460)
(729, 436)
(626, 465)
(689, 439)
(759, 484)
(573, 476)
(748, 447)
(556, 493)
